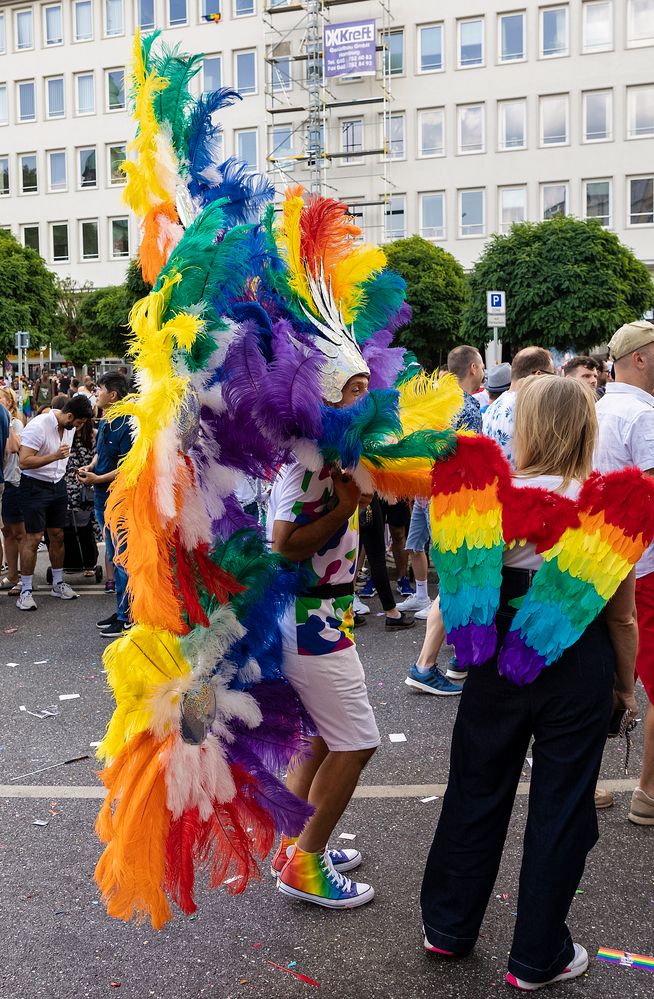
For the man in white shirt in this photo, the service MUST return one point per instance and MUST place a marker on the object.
(626, 437)
(44, 449)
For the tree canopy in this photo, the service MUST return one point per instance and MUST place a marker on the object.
(568, 283)
(28, 295)
(437, 290)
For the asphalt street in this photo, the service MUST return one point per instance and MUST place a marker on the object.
(58, 941)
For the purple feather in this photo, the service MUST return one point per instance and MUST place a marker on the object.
(281, 735)
(243, 371)
(234, 519)
(385, 362)
(289, 400)
(289, 813)
(400, 319)
(474, 644)
(518, 662)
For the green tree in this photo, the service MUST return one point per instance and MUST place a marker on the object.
(437, 290)
(28, 295)
(568, 283)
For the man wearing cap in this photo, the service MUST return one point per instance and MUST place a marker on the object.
(498, 381)
(626, 437)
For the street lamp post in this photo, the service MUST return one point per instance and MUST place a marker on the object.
(22, 344)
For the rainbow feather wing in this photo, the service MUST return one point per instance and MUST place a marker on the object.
(580, 572)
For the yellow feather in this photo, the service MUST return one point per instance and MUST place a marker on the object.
(289, 239)
(349, 273)
(429, 402)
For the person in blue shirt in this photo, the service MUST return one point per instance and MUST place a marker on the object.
(5, 425)
(113, 442)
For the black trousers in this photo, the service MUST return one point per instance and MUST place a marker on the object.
(567, 709)
(371, 531)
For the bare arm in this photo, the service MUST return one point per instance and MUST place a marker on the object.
(620, 615)
(28, 458)
(13, 442)
(298, 542)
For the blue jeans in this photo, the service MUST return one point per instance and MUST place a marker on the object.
(120, 576)
(567, 709)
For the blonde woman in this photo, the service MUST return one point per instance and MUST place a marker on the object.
(13, 528)
(567, 711)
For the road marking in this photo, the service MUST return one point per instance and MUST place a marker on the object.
(365, 791)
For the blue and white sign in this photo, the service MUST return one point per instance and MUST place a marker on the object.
(496, 309)
(350, 49)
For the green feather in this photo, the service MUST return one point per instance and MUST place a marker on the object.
(432, 444)
(172, 105)
(147, 41)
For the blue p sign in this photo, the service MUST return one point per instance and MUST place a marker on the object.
(496, 300)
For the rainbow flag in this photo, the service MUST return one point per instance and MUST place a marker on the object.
(626, 959)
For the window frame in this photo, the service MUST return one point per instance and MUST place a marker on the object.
(586, 5)
(287, 162)
(21, 188)
(459, 24)
(76, 39)
(108, 109)
(59, 260)
(7, 193)
(5, 86)
(500, 16)
(421, 200)
(629, 181)
(203, 12)
(387, 141)
(541, 136)
(44, 26)
(459, 200)
(460, 151)
(501, 145)
(48, 159)
(20, 120)
(502, 228)
(253, 53)
(219, 57)
(105, 19)
(355, 159)
(123, 177)
(422, 155)
(584, 195)
(389, 237)
(78, 166)
(420, 28)
(565, 184)
(278, 87)
(3, 32)
(118, 256)
(25, 48)
(80, 232)
(47, 81)
(21, 231)
(548, 8)
(249, 130)
(631, 93)
(252, 13)
(387, 34)
(76, 77)
(630, 41)
(143, 27)
(177, 24)
(608, 92)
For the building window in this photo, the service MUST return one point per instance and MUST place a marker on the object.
(212, 73)
(59, 242)
(53, 25)
(54, 92)
(26, 101)
(640, 22)
(87, 163)
(85, 93)
(352, 140)
(554, 200)
(554, 120)
(430, 48)
(116, 159)
(31, 240)
(24, 30)
(4, 105)
(281, 74)
(119, 238)
(640, 112)
(512, 124)
(115, 89)
(247, 147)
(4, 175)
(210, 7)
(393, 43)
(512, 207)
(597, 200)
(641, 200)
(432, 215)
(554, 32)
(113, 17)
(29, 181)
(177, 12)
(243, 8)
(471, 42)
(3, 34)
(431, 132)
(246, 72)
(511, 37)
(89, 239)
(472, 213)
(145, 19)
(281, 155)
(597, 26)
(470, 119)
(394, 137)
(598, 126)
(57, 180)
(395, 218)
(83, 20)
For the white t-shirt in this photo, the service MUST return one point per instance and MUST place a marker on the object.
(42, 435)
(625, 415)
(524, 556)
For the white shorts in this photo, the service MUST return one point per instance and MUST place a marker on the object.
(333, 690)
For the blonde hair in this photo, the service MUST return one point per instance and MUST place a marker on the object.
(555, 428)
(10, 396)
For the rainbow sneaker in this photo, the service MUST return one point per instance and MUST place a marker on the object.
(342, 860)
(312, 877)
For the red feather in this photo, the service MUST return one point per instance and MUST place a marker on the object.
(626, 498)
(477, 463)
(181, 847)
(327, 233)
(537, 515)
(188, 592)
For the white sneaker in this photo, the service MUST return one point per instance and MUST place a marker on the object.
(26, 601)
(358, 606)
(576, 968)
(423, 614)
(64, 591)
(415, 603)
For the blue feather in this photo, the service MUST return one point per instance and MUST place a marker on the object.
(203, 137)
(246, 193)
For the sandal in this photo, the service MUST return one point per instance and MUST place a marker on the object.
(14, 591)
(8, 584)
(89, 573)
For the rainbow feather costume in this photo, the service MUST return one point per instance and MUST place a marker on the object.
(236, 349)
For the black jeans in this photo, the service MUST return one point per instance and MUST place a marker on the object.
(371, 531)
(567, 709)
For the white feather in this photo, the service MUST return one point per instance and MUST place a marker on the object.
(165, 460)
(205, 647)
(250, 673)
(194, 522)
(307, 454)
(165, 705)
(363, 479)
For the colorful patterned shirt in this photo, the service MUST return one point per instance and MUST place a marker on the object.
(469, 418)
(499, 423)
(315, 626)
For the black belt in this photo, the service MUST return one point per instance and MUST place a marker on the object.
(329, 592)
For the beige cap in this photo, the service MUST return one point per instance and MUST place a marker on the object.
(630, 337)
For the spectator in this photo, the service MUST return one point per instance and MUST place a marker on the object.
(63, 381)
(397, 515)
(81, 500)
(584, 368)
(371, 532)
(498, 418)
(603, 373)
(87, 388)
(498, 381)
(42, 391)
(11, 521)
(74, 387)
(44, 449)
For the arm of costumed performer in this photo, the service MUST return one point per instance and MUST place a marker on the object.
(620, 616)
(298, 542)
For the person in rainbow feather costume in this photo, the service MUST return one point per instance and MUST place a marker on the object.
(236, 349)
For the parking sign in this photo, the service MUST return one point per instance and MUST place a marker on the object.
(496, 303)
